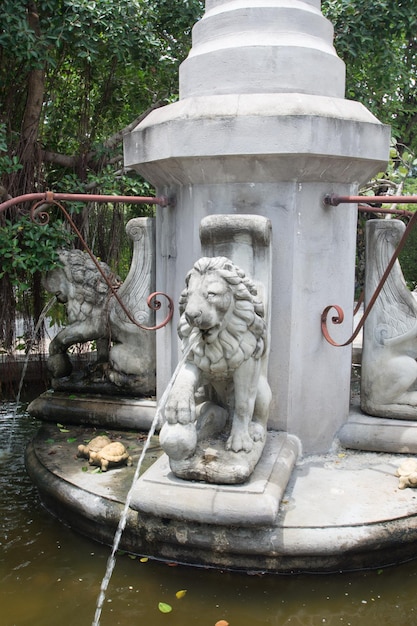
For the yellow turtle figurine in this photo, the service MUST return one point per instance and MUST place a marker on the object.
(94, 445)
(111, 455)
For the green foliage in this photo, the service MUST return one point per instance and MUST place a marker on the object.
(378, 42)
(26, 248)
(76, 73)
(8, 163)
(398, 179)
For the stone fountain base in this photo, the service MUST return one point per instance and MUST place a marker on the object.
(339, 511)
(100, 410)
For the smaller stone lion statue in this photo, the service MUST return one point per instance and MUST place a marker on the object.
(79, 285)
(222, 379)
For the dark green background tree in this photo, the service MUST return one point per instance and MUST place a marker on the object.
(74, 76)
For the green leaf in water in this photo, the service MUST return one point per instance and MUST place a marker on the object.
(164, 607)
(50, 441)
(64, 430)
(84, 468)
(71, 439)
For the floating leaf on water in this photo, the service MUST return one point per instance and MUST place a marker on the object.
(60, 425)
(144, 559)
(71, 439)
(221, 622)
(164, 607)
(84, 468)
(64, 430)
(132, 556)
(181, 593)
(50, 441)
(72, 396)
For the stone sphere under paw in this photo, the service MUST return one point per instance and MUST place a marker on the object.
(178, 441)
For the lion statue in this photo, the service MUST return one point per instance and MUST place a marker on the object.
(78, 284)
(224, 335)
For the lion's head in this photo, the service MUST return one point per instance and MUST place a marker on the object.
(78, 284)
(221, 316)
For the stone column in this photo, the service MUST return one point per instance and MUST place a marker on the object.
(262, 127)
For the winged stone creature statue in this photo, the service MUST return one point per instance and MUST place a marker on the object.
(389, 367)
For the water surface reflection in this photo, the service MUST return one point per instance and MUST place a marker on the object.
(49, 575)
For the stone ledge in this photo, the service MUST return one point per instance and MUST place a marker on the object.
(254, 503)
(341, 511)
(95, 410)
(378, 434)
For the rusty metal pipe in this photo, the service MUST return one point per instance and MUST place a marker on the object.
(50, 197)
(333, 199)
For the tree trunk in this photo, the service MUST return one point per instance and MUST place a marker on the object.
(24, 181)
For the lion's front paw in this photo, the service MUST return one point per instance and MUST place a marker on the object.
(180, 410)
(239, 441)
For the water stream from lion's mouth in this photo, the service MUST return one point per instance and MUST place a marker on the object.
(123, 518)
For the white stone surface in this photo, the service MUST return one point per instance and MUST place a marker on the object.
(245, 47)
(274, 154)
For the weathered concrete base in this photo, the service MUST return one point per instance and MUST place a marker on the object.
(94, 410)
(255, 503)
(378, 434)
(340, 511)
(218, 465)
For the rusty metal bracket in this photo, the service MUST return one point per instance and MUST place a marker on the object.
(39, 215)
(335, 200)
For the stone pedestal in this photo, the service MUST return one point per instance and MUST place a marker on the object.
(262, 127)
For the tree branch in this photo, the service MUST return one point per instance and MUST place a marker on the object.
(70, 161)
(115, 139)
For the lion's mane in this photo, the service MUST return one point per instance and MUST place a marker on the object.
(83, 284)
(243, 335)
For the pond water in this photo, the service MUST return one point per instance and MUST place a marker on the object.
(50, 575)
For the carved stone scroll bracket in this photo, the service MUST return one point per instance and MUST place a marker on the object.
(133, 353)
